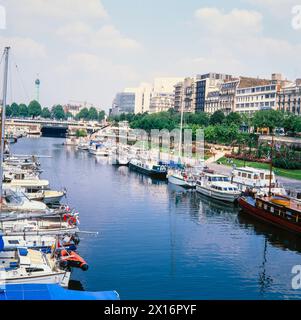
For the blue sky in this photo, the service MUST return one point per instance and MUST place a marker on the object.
(87, 50)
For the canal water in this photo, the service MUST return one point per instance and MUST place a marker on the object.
(160, 242)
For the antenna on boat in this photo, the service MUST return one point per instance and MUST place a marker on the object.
(6, 55)
(271, 166)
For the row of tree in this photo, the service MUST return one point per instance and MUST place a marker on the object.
(57, 112)
(271, 119)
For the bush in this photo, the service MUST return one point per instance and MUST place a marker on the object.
(287, 164)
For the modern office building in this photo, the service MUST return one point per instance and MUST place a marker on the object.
(205, 84)
(124, 102)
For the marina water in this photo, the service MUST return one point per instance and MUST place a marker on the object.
(156, 241)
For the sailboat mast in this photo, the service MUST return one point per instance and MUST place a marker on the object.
(181, 133)
(271, 166)
(6, 55)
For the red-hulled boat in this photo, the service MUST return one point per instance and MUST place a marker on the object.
(280, 211)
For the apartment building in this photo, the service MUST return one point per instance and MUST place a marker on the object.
(162, 102)
(289, 98)
(256, 94)
(155, 94)
(185, 95)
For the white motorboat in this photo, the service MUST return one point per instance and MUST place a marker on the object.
(13, 173)
(37, 190)
(30, 266)
(98, 149)
(52, 196)
(218, 187)
(83, 146)
(181, 178)
(71, 141)
(256, 180)
(15, 200)
(37, 226)
(39, 242)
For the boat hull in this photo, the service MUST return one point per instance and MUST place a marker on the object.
(151, 173)
(181, 182)
(53, 198)
(267, 217)
(228, 197)
(61, 278)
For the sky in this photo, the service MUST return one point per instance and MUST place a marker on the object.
(88, 50)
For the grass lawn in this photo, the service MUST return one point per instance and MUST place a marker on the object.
(292, 174)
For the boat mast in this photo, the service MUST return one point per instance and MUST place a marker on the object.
(181, 133)
(6, 55)
(271, 166)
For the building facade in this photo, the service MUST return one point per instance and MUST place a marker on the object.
(227, 96)
(255, 94)
(162, 102)
(289, 98)
(73, 109)
(185, 95)
(124, 102)
(205, 84)
(147, 92)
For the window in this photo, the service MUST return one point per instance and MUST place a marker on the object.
(13, 241)
(34, 270)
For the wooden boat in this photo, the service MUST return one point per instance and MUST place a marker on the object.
(280, 211)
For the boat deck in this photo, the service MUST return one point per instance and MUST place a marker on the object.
(282, 201)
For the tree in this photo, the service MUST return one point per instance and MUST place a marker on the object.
(83, 114)
(217, 118)
(268, 119)
(23, 110)
(69, 115)
(233, 118)
(46, 113)
(58, 112)
(93, 114)
(34, 109)
(8, 111)
(81, 133)
(15, 110)
(101, 115)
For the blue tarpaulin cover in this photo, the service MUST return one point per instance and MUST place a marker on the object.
(1, 243)
(51, 292)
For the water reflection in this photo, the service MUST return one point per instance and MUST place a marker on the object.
(277, 237)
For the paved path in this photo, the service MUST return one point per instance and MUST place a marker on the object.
(216, 157)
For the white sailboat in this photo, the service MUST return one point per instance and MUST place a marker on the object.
(180, 176)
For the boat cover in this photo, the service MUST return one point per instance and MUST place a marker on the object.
(50, 292)
(1, 243)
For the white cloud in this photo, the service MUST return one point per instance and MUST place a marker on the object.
(234, 42)
(92, 78)
(281, 9)
(24, 47)
(235, 22)
(61, 9)
(82, 34)
(91, 64)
